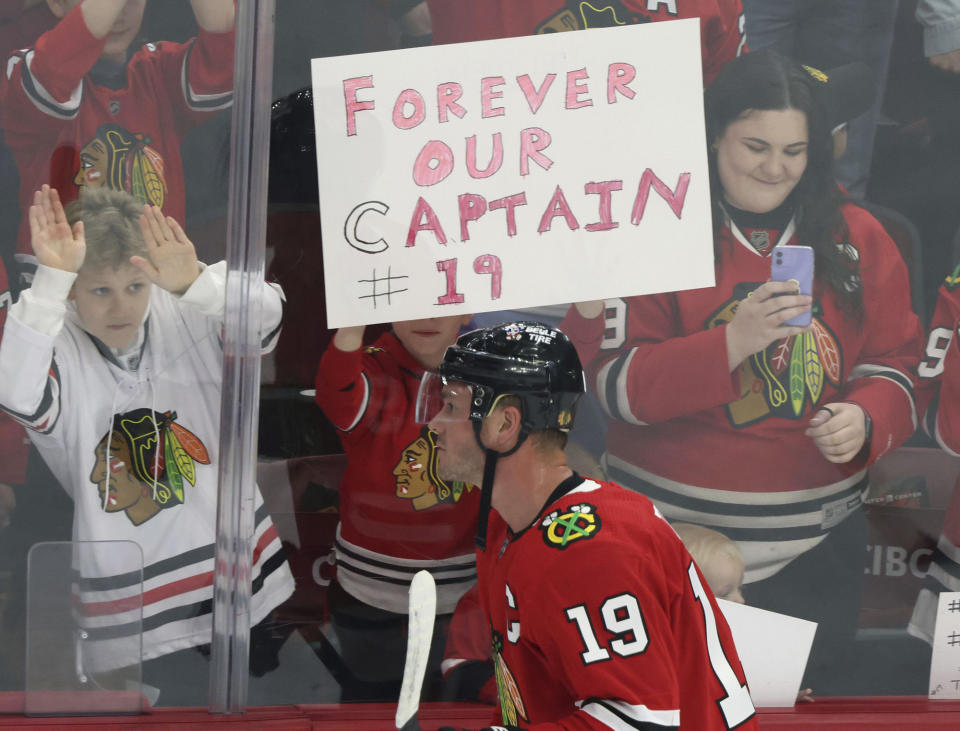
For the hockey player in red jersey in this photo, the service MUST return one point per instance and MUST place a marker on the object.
(721, 21)
(938, 397)
(598, 616)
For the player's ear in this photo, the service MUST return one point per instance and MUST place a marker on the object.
(511, 424)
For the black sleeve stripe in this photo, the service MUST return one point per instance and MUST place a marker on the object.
(867, 370)
(610, 396)
(270, 340)
(42, 99)
(612, 388)
(625, 721)
(945, 564)
(201, 102)
(898, 378)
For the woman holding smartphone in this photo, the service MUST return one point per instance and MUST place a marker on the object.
(727, 417)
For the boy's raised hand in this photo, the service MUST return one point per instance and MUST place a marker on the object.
(173, 263)
(55, 244)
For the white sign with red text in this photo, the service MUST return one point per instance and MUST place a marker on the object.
(512, 173)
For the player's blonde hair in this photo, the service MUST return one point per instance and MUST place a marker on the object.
(111, 225)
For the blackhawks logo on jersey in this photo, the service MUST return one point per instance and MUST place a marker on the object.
(581, 14)
(416, 479)
(578, 523)
(119, 159)
(512, 708)
(141, 464)
(786, 377)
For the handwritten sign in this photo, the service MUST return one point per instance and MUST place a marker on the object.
(945, 660)
(512, 173)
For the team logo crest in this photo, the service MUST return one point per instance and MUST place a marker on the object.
(760, 239)
(119, 159)
(581, 14)
(416, 478)
(578, 523)
(141, 464)
(786, 377)
(512, 707)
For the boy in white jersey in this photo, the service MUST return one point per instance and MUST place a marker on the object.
(118, 383)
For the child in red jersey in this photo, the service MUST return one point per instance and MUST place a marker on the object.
(86, 106)
(396, 515)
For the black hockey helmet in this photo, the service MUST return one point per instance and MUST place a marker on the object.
(529, 360)
(534, 362)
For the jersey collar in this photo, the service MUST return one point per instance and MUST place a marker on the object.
(572, 482)
(787, 234)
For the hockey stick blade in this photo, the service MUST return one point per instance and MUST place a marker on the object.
(422, 612)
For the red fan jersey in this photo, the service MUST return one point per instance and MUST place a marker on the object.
(721, 21)
(600, 619)
(939, 401)
(939, 371)
(728, 450)
(66, 130)
(396, 515)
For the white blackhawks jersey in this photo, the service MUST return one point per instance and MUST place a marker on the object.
(159, 422)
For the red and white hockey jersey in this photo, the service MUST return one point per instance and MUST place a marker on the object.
(721, 21)
(600, 619)
(68, 131)
(396, 515)
(938, 397)
(75, 396)
(728, 450)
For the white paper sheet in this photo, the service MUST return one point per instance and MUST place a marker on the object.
(773, 649)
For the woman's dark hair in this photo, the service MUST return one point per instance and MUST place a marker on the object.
(766, 80)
